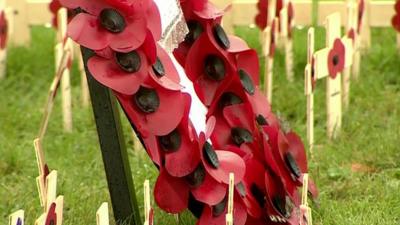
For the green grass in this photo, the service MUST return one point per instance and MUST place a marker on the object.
(370, 137)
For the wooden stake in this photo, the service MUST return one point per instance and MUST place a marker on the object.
(84, 85)
(65, 81)
(305, 210)
(229, 215)
(147, 203)
(102, 216)
(21, 32)
(41, 163)
(269, 61)
(59, 202)
(51, 188)
(365, 26)
(309, 89)
(288, 42)
(17, 218)
(53, 92)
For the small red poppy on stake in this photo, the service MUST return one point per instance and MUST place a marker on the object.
(330, 62)
(336, 58)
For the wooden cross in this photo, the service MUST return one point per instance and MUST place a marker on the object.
(357, 39)
(229, 214)
(365, 31)
(287, 39)
(41, 179)
(309, 89)
(102, 216)
(66, 77)
(334, 90)
(17, 218)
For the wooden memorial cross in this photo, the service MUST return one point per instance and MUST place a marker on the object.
(148, 218)
(365, 29)
(286, 25)
(17, 218)
(102, 216)
(64, 42)
(331, 56)
(309, 87)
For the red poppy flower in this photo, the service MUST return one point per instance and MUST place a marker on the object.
(171, 193)
(124, 72)
(207, 66)
(336, 58)
(352, 35)
(149, 107)
(120, 25)
(51, 218)
(3, 30)
(54, 6)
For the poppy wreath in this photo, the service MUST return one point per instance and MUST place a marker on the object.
(396, 17)
(242, 135)
(3, 30)
(225, 74)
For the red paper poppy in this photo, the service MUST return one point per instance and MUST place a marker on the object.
(216, 215)
(210, 192)
(171, 193)
(148, 109)
(336, 58)
(3, 30)
(54, 6)
(207, 66)
(51, 218)
(119, 25)
(109, 73)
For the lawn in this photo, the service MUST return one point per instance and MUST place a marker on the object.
(358, 174)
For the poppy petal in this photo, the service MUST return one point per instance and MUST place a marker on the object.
(131, 38)
(171, 193)
(108, 73)
(229, 163)
(239, 215)
(84, 29)
(210, 191)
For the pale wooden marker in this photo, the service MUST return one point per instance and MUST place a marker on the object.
(40, 180)
(334, 89)
(51, 188)
(102, 215)
(59, 202)
(269, 60)
(62, 18)
(147, 202)
(229, 214)
(346, 78)
(287, 40)
(365, 26)
(305, 210)
(21, 34)
(309, 91)
(53, 92)
(17, 218)
(84, 84)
